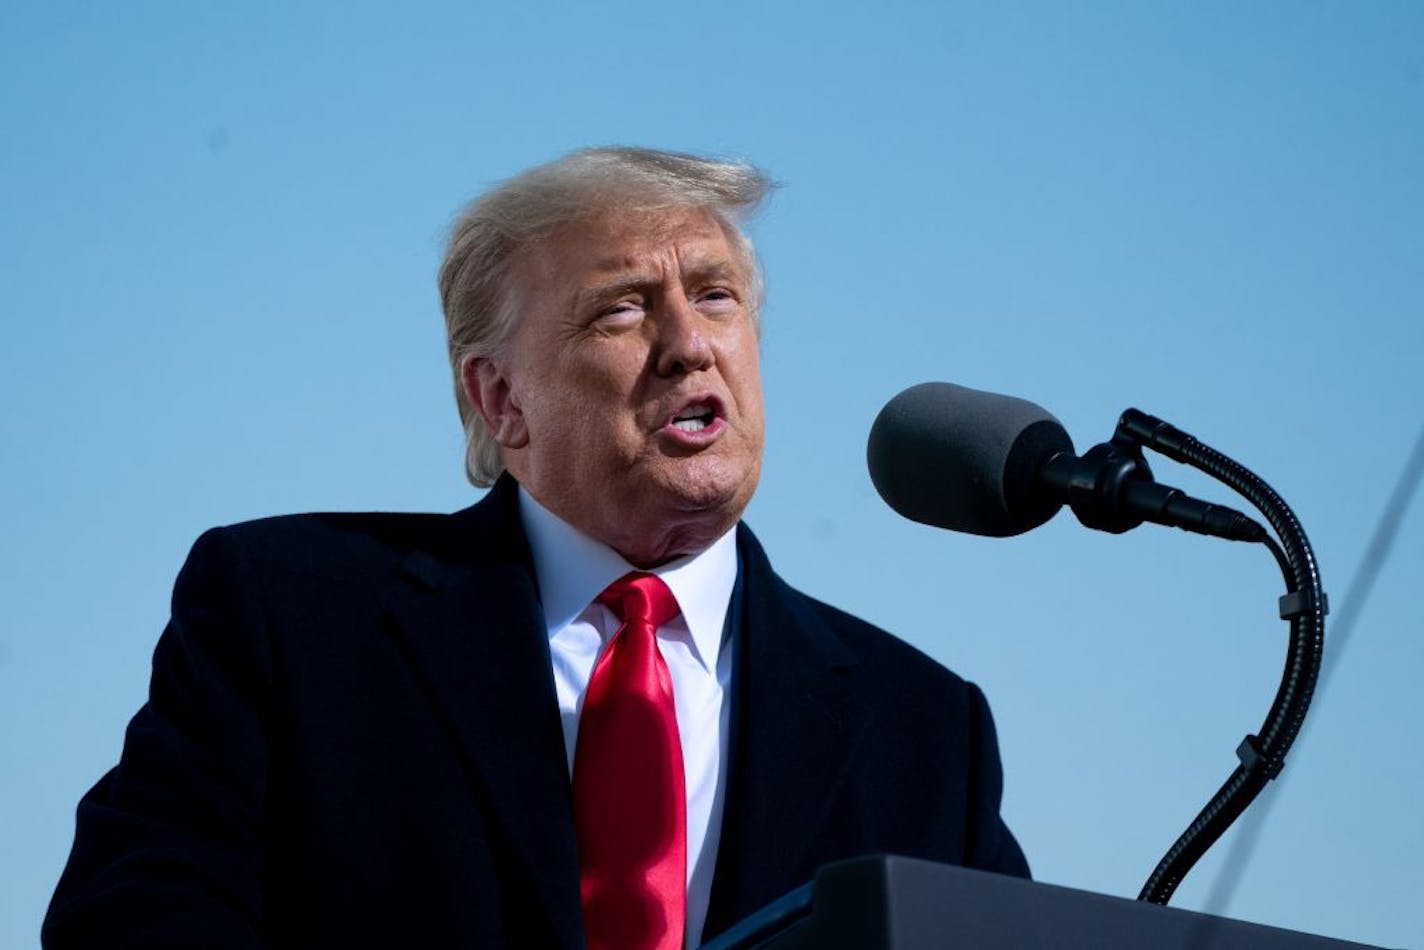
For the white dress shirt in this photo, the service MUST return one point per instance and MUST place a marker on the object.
(573, 569)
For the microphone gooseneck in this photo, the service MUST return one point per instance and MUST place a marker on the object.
(1304, 605)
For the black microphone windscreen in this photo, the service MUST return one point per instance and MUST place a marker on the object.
(962, 459)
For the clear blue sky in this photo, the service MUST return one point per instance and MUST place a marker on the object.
(219, 231)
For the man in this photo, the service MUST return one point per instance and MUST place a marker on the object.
(584, 709)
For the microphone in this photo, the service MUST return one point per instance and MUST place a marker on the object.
(995, 465)
(987, 464)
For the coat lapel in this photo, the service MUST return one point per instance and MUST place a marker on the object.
(796, 725)
(469, 621)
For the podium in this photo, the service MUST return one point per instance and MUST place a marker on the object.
(893, 903)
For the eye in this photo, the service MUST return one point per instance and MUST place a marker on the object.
(623, 314)
(717, 299)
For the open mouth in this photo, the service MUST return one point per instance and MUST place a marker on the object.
(696, 417)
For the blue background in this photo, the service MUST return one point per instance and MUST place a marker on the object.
(219, 232)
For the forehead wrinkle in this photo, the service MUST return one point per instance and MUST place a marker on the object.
(712, 266)
(692, 245)
(632, 265)
(633, 272)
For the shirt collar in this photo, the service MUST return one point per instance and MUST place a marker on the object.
(573, 569)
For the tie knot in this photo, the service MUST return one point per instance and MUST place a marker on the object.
(640, 597)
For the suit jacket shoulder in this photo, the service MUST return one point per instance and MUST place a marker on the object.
(350, 739)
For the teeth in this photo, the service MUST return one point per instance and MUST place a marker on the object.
(693, 412)
(690, 425)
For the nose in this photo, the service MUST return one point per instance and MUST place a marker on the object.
(682, 343)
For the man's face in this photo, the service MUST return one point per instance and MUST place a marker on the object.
(629, 399)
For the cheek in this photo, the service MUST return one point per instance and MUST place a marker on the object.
(745, 362)
(580, 406)
(550, 411)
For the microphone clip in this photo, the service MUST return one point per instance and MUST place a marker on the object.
(1111, 488)
(1105, 487)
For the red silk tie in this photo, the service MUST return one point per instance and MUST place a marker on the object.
(630, 803)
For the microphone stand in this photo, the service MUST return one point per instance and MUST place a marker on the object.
(1262, 754)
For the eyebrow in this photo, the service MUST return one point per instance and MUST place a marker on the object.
(630, 279)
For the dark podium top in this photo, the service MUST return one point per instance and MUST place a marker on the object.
(893, 903)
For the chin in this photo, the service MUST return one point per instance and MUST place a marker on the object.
(717, 491)
(684, 515)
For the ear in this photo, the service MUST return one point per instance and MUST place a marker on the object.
(488, 389)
